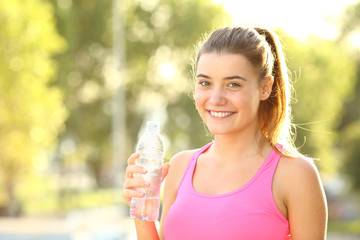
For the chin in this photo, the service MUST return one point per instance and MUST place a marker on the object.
(219, 131)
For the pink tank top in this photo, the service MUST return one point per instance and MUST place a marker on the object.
(248, 213)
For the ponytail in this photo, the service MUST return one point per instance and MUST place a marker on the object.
(275, 112)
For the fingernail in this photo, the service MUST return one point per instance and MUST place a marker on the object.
(143, 170)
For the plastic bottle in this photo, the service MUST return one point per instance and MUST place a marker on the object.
(151, 149)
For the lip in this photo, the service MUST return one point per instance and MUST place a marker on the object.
(220, 114)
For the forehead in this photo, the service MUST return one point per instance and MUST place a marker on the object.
(225, 64)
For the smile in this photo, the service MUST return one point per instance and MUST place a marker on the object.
(220, 114)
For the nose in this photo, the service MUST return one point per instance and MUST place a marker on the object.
(217, 97)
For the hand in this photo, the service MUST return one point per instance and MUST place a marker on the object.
(134, 181)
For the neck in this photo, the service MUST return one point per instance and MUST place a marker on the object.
(239, 146)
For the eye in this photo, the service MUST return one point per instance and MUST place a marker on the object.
(234, 85)
(204, 83)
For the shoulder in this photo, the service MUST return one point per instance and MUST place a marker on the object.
(300, 180)
(182, 158)
(178, 164)
(295, 176)
(298, 169)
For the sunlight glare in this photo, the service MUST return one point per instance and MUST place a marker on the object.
(355, 40)
(167, 70)
(298, 19)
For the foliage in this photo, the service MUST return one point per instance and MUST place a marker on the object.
(350, 140)
(350, 20)
(350, 125)
(324, 76)
(159, 34)
(31, 111)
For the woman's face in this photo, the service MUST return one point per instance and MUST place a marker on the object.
(227, 93)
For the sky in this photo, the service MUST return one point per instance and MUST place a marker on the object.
(297, 18)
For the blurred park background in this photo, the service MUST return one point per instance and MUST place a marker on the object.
(79, 78)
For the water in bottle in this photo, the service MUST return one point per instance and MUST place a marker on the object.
(151, 149)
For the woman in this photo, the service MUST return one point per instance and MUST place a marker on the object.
(250, 182)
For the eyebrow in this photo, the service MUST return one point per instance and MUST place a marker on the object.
(226, 78)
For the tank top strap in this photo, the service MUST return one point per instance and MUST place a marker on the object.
(271, 163)
(192, 162)
(264, 182)
(273, 159)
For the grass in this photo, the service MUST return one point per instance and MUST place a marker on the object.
(51, 204)
(41, 196)
(351, 227)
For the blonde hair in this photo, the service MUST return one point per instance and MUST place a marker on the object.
(264, 51)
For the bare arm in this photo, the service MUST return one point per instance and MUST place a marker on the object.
(146, 230)
(305, 200)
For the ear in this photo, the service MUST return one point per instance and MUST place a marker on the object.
(266, 87)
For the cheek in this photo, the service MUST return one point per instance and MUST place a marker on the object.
(255, 103)
(240, 99)
(198, 99)
(253, 97)
(249, 102)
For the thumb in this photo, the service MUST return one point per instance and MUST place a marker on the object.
(164, 170)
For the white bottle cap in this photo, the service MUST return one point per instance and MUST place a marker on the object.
(153, 127)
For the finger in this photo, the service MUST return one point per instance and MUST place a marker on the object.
(136, 182)
(132, 158)
(128, 194)
(131, 193)
(132, 169)
(164, 171)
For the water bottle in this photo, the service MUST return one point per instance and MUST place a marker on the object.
(151, 149)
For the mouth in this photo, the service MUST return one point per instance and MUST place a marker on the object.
(220, 114)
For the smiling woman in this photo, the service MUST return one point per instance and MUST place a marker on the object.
(250, 176)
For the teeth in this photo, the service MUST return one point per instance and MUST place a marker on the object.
(220, 114)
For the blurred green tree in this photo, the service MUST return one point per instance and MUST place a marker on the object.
(159, 38)
(324, 76)
(31, 109)
(350, 124)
